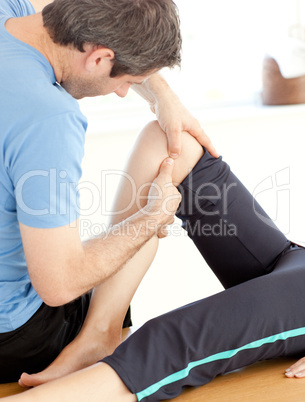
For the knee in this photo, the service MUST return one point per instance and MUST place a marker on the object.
(152, 144)
(152, 141)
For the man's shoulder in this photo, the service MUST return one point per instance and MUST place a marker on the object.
(53, 103)
(50, 110)
(16, 8)
(46, 115)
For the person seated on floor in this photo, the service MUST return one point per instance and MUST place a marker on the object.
(258, 316)
(68, 51)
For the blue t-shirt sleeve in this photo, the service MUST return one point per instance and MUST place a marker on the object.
(45, 170)
(16, 8)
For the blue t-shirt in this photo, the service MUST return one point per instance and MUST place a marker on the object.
(42, 134)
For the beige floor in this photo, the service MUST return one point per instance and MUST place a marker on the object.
(263, 382)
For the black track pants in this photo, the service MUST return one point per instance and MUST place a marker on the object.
(259, 315)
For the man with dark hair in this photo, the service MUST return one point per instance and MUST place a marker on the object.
(144, 35)
(74, 49)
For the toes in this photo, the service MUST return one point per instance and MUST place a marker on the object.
(21, 383)
(27, 380)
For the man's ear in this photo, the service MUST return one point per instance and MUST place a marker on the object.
(99, 57)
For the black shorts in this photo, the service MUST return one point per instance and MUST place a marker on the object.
(33, 346)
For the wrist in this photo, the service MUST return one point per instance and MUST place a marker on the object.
(144, 224)
(159, 89)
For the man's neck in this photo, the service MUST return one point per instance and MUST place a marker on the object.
(31, 31)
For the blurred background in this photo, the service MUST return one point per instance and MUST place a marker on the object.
(220, 81)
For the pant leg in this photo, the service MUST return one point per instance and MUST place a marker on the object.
(232, 232)
(259, 319)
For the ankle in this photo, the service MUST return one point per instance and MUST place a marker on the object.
(110, 336)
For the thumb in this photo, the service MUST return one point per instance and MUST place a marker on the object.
(166, 168)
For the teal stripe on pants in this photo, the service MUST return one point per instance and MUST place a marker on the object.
(218, 356)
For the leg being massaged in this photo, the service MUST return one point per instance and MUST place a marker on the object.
(256, 317)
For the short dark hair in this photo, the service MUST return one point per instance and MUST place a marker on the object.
(144, 34)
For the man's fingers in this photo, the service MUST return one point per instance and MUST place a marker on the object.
(166, 169)
(163, 232)
(210, 147)
(204, 140)
(174, 142)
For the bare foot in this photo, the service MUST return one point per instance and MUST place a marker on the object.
(79, 354)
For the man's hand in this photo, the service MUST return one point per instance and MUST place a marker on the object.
(296, 370)
(172, 116)
(163, 198)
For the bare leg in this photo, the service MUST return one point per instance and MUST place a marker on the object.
(97, 383)
(101, 332)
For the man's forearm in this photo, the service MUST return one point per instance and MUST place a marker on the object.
(108, 253)
(64, 268)
(153, 89)
(64, 276)
(104, 256)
